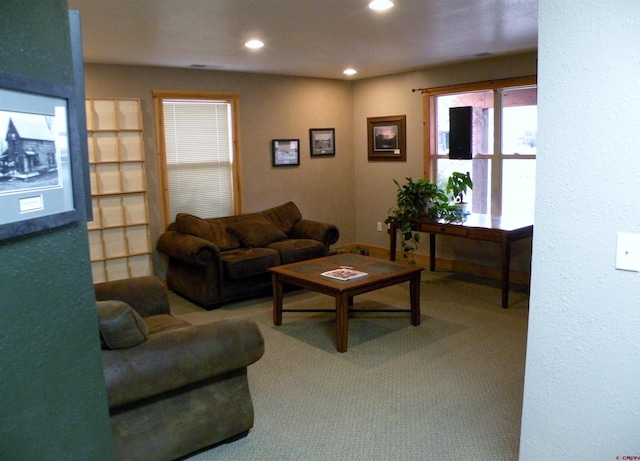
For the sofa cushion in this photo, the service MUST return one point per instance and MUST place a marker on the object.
(120, 325)
(245, 262)
(256, 232)
(294, 250)
(210, 230)
(284, 217)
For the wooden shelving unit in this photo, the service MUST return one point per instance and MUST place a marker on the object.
(119, 233)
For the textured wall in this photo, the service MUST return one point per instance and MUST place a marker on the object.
(52, 397)
(582, 386)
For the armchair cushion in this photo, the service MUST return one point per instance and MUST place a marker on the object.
(120, 325)
(256, 233)
(164, 322)
(144, 294)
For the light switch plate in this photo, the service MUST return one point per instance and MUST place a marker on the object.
(628, 252)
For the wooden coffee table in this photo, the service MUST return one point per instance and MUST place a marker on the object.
(381, 274)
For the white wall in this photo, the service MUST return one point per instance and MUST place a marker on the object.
(582, 382)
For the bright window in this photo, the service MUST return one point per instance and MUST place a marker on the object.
(503, 172)
(198, 150)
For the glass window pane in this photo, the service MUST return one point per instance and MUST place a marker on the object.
(518, 143)
(519, 121)
(518, 187)
(198, 143)
(482, 121)
(479, 197)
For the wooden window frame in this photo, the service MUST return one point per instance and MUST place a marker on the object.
(231, 98)
(430, 135)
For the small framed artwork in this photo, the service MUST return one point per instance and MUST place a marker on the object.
(285, 152)
(41, 175)
(322, 141)
(387, 139)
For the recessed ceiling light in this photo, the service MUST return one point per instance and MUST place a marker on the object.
(254, 44)
(349, 71)
(380, 5)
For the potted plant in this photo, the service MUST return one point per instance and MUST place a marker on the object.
(457, 186)
(416, 199)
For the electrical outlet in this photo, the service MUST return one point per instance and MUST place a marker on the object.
(379, 227)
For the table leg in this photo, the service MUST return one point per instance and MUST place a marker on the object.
(414, 291)
(506, 269)
(342, 322)
(277, 299)
(432, 252)
(392, 242)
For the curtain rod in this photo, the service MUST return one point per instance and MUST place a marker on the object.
(488, 84)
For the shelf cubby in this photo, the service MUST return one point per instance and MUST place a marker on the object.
(119, 242)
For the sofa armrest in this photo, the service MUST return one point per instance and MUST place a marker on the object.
(328, 234)
(144, 294)
(188, 248)
(180, 357)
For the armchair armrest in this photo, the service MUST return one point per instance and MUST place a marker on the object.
(188, 248)
(179, 357)
(146, 295)
(328, 234)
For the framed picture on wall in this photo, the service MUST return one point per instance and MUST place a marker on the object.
(322, 142)
(285, 152)
(386, 138)
(41, 171)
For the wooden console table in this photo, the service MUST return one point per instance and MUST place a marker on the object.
(479, 227)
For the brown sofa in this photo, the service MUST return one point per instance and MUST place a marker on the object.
(173, 388)
(217, 260)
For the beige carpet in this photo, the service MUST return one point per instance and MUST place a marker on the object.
(449, 389)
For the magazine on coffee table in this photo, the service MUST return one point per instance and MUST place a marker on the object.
(344, 274)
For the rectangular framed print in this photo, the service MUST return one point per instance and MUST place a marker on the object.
(41, 184)
(322, 141)
(285, 152)
(387, 138)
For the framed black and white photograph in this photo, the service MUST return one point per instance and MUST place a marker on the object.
(386, 138)
(40, 164)
(285, 152)
(322, 141)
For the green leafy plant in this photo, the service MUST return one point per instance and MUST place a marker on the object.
(457, 186)
(422, 198)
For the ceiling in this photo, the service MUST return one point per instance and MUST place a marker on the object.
(313, 38)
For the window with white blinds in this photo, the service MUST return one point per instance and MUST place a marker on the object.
(198, 143)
